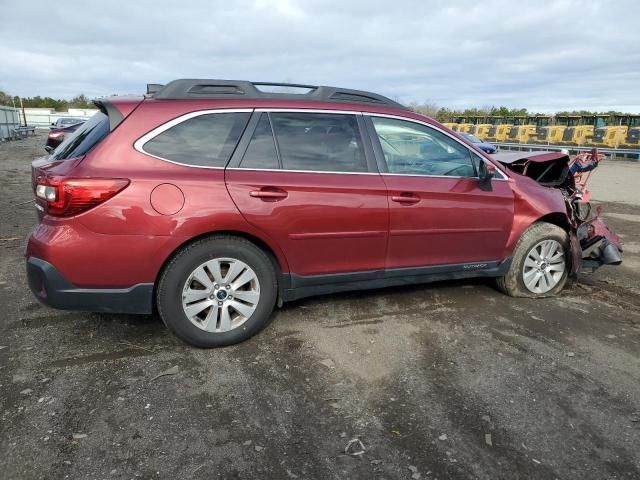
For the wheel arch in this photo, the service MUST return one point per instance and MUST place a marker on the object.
(279, 263)
(575, 251)
(513, 283)
(558, 219)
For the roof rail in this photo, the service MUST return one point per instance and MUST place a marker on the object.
(212, 88)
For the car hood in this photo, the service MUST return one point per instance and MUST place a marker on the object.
(550, 169)
(507, 158)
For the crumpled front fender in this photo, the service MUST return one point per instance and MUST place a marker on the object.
(601, 229)
(598, 245)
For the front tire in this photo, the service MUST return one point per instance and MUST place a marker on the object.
(540, 264)
(217, 292)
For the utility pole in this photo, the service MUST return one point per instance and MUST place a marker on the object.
(24, 116)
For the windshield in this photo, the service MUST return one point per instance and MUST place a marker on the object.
(83, 139)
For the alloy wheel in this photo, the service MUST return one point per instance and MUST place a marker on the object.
(220, 295)
(544, 266)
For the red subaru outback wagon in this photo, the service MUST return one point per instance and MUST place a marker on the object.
(211, 201)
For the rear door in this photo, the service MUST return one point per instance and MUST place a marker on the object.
(309, 182)
(438, 214)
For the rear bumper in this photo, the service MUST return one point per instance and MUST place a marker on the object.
(54, 290)
(51, 143)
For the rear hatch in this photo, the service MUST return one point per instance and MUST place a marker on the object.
(66, 155)
(58, 165)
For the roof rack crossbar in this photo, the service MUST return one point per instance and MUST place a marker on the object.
(278, 84)
(212, 88)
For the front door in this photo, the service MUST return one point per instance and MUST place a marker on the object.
(307, 180)
(438, 213)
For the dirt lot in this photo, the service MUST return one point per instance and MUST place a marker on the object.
(450, 380)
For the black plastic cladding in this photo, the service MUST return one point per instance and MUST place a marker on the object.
(211, 88)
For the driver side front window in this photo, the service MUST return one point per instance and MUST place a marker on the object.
(414, 149)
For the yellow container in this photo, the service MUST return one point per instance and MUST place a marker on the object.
(611, 137)
(481, 130)
(551, 135)
(465, 127)
(578, 135)
(498, 133)
(632, 139)
(521, 133)
(503, 132)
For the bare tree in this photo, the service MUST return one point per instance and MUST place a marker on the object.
(428, 108)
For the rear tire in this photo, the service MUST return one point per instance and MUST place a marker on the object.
(540, 264)
(195, 292)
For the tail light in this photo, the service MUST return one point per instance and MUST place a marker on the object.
(64, 197)
(56, 135)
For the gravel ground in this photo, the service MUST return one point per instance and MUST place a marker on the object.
(449, 380)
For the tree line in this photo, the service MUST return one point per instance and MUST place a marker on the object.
(432, 110)
(443, 114)
(60, 105)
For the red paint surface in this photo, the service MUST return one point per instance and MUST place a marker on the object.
(326, 223)
(454, 221)
(167, 199)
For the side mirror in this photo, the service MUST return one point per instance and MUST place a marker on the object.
(49, 149)
(53, 124)
(486, 171)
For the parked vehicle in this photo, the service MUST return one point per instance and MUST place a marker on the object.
(66, 122)
(486, 147)
(57, 134)
(212, 201)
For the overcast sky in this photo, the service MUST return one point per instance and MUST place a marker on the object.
(542, 55)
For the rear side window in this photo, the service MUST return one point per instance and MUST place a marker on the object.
(84, 138)
(319, 142)
(206, 140)
(261, 152)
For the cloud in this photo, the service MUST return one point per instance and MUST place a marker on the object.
(545, 56)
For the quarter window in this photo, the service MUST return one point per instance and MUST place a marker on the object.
(206, 140)
(319, 142)
(413, 148)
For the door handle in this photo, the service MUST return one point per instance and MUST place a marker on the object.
(409, 198)
(269, 194)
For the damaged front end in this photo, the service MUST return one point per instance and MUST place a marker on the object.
(592, 243)
(599, 245)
